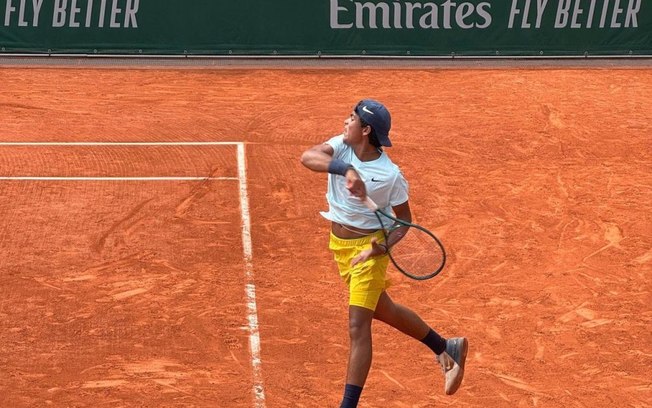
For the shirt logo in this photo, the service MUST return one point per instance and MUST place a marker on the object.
(364, 108)
(375, 180)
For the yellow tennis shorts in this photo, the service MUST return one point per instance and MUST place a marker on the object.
(366, 280)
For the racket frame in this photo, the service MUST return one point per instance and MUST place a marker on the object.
(378, 213)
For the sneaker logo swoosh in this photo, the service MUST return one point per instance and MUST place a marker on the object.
(364, 108)
(375, 180)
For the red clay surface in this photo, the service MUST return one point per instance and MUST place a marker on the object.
(131, 293)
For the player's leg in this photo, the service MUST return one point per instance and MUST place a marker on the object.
(360, 354)
(366, 282)
(451, 353)
(402, 319)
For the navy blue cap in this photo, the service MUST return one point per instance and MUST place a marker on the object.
(376, 114)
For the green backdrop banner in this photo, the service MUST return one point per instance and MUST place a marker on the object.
(328, 27)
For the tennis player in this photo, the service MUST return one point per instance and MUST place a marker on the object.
(357, 167)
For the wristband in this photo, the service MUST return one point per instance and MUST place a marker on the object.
(385, 247)
(337, 166)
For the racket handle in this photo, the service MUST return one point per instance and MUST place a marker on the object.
(370, 204)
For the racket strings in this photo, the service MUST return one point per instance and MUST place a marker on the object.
(417, 253)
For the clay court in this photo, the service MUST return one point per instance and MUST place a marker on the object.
(161, 244)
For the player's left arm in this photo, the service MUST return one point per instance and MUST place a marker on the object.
(402, 212)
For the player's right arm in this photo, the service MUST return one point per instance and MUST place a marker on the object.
(320, 158)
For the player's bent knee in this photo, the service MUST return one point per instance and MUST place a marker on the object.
(360, 322)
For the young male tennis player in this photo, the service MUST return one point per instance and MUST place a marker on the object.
(358, 167)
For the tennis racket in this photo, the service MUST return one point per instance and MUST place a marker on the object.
(414, 250)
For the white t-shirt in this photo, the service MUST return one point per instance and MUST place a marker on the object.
(384, 182)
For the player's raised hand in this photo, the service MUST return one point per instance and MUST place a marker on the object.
(355, 184)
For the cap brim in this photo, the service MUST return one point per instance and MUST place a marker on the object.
(384, 141)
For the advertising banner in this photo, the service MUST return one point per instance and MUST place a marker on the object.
(328, 27)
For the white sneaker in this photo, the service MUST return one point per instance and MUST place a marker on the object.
(452, 363)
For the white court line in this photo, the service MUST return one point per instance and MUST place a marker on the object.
(28, 178)
(250, 287)
(118, 143)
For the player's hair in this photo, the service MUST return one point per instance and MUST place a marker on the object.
(373, 139)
